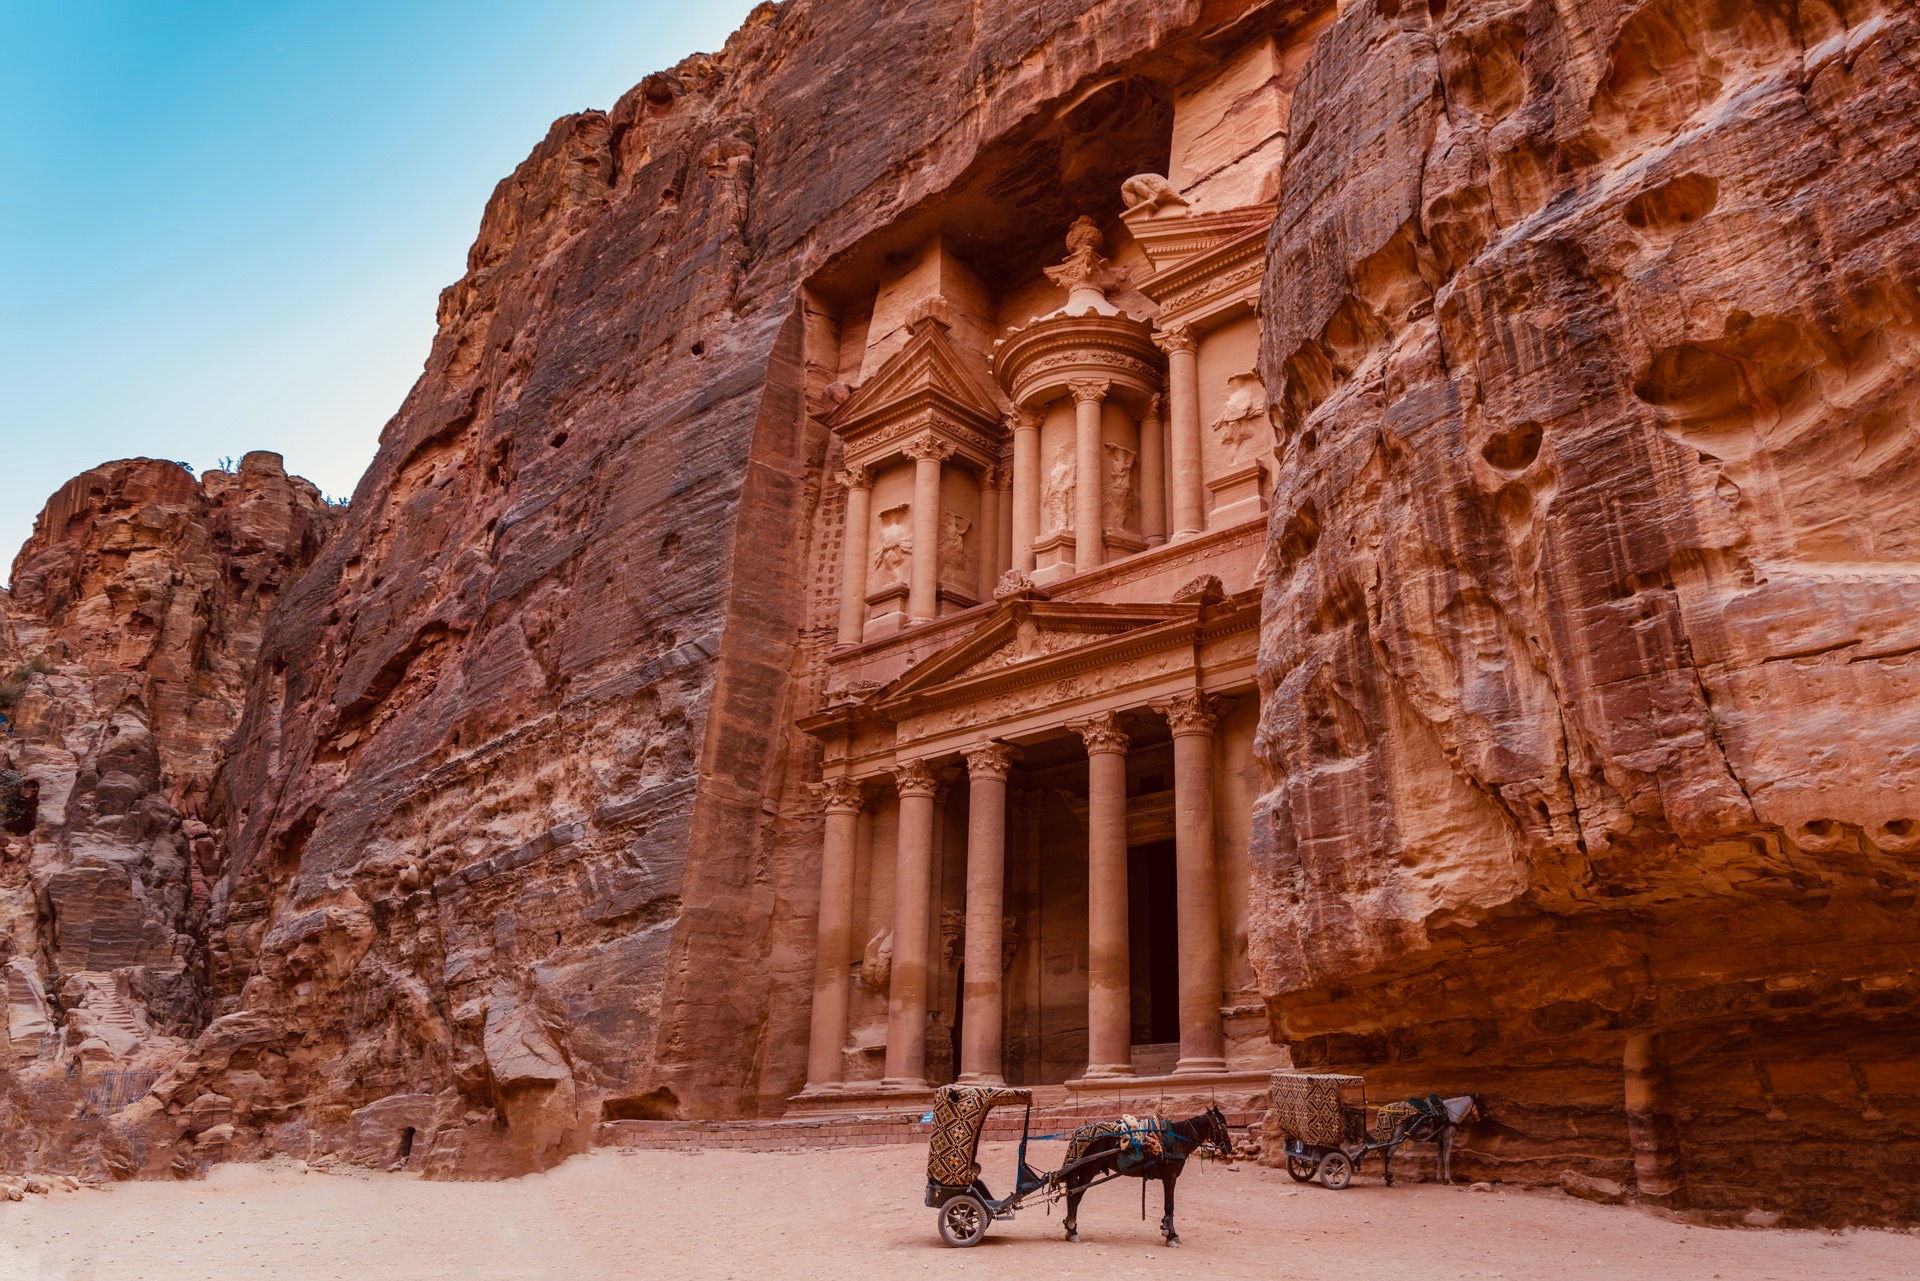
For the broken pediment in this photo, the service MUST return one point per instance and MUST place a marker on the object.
(930, 383)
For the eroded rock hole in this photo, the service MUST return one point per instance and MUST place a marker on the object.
(660, 1104)
(1514, 449)
(1677, 203)
(669, 547)
(559, 439)
(406, 1143)
(699, 349)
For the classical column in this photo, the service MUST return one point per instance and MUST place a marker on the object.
(989, 531)
(1025, 426)
(1202, 1046)
(853, 554)
(1651, 1132)
(923, 590)
(1005, 474)
(912, 901)
(843, 803)
(1089, 474)
(985, 1014)
(1109, 984)
(1153, 475)
(1183, 393)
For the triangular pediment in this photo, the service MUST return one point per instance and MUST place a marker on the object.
(1025, 632)
(928, 368)
(1173, 237)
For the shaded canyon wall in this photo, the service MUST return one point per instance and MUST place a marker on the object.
(1590, 718)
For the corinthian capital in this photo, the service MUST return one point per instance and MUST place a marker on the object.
(1019, 419)
(1179, 338)
(1101, 733)
(856, 478)
(927, 445)
(913, 778)
(1089, 390)
(840, 795)
(991, 760)
(1187, 713)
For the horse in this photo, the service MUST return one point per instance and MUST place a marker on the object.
(1153, 1150)
(1432, 1120)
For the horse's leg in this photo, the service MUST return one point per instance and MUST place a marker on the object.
(1075, 1190)
(1166, 1224)
(1445, 1143)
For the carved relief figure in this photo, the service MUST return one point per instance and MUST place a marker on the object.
(1119, 497)
(955, 560)
(1243, 414)
(894, 551)
(1150, 190)
(1056, 496)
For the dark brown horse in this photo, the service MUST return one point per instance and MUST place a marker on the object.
(1153, 1150)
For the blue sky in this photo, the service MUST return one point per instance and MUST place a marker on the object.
(224, 226)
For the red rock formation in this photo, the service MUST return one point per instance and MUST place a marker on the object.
(1590, 717)
(1592, 330)
(126, 644)
(520, 830)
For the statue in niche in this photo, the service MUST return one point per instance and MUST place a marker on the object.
(1150, 191)
(1056, 496)
(894, 553)
(1119, 496)
(955, 560)
(1241, 414)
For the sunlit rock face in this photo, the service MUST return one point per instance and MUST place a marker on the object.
(520, 833)
(126, 642)
(1585, 725)
(1590, 720)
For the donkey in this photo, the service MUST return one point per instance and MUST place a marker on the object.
(1155, 1150)
(1436, 1121)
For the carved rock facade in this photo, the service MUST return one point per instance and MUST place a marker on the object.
(783, 540)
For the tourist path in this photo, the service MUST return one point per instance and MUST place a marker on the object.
(856, 1212)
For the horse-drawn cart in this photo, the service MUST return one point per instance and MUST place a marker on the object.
(1323, 1121)
(1098, 1153)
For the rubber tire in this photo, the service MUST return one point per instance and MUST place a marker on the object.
(972, 1218)
(1336, 1170)
(1301, 1169)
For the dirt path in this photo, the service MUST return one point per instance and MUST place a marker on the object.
(857, 1214)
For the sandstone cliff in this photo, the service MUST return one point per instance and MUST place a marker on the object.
(1590, 713)
(520, 840)
(126, 644)
(1591, 331)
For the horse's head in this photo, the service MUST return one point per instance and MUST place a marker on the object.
(1217, 1133)
(1463, 1108)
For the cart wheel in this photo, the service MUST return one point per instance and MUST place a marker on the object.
(1336, 1170)
(963, 1220)
(1300, 1169)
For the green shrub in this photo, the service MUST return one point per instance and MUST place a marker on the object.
(16, 682)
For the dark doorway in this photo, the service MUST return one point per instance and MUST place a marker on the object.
(959, 1011)
(1153, 944)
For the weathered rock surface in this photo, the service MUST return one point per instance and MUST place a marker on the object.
(518, 815)
(1592, 331)
(126, 644)
(1590, 713)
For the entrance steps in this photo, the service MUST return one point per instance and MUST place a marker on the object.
(1055, 1109)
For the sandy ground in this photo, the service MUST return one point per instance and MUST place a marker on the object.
(857, 1214)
